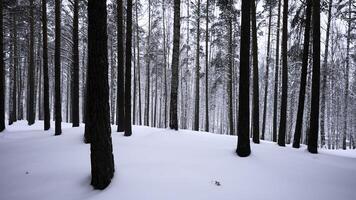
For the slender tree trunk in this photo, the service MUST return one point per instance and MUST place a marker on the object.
(283, 111)
(197, 74)
(57, 64)
(255, 107)
(173, 119)
(138, 67)
(207, 68)
(112, 82)
(120, 98)
(75, 67)
(165, 64)
(229, 76)
(314, 114)
(303, 78)
(2, 73)
(134, 81)
(243, 140)
(102, 159)
(347, 79)
(128, 126)
(31, 71)
(267, 72)
(148, 79)
(275, 96)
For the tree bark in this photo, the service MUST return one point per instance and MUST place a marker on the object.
(148, 78)
(173, 119)
(75, 67)
(138, 67)
(31, 71)
(207, 68)
(128, 126)
(197, 74)
(243, 140)
(98, 110)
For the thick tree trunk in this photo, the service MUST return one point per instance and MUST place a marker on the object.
(98, 110)
(256, 104)
(31, 71)
(283, 111)
(267, 73)
(314, 113)
(173, 119)
(275, 96)
(243, 140)
(128, 126)
(2, 73)
(303, 78)
(120, 98)
(75, 67)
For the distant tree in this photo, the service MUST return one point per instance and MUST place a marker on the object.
(57, 66)
(75, 66)
(120, 109)
(207, 67)
(98, 110)
(128, 126)
(138, 65)
(243, 139)
(148, 62)
(47, 115)
(2, 72)
(314, 114)
(303, 77)
(173, 119)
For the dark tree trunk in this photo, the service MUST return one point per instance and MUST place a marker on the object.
(98, 110)
(148, 79)
(283, 111)
(2, 72)
(255, 105)
(128, 126)
(303, 78)
(207, 68)
(197, 74)
(267, 72)
(31, 71)
(275, 96)
(314, 113)
(243, 140)
(75, 67)
(120, 69)
(173, 119)
(57, 65)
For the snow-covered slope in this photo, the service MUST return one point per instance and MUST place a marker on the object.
(159, 164)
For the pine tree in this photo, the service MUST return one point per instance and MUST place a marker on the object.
(75, 67)
(283, 111)
(197, 73)
(243, 140)
(57, 65)
(98, 110)
(148, 78)
(128, 126)
(303, 78)
(255, 99)
(120, 109)
(173, 119)
(207, 67)
(31, 71)
(314, 114)
(2, 72)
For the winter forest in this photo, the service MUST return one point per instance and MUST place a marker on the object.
(271, 79)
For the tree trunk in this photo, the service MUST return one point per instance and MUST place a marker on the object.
(267, 72)
(98, 110)
(148, 79)
(128, 126)
(138, 67)
(229, 75)
(173, 119)
(31, 71)
(197, 74)
(75, 67)
(57, 64)
(275, 96)
(243, 140)
(255, 107)
(314, 114)
(207, 68)
(303, 78)
(283, 111)
(120, 98)
(165, 64)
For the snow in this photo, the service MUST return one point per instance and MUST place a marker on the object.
(161, 164)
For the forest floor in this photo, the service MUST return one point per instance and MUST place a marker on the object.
(161, 164)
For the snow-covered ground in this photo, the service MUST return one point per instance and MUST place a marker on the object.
(159, 164)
